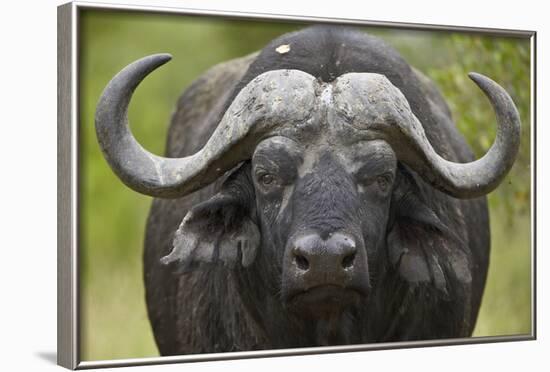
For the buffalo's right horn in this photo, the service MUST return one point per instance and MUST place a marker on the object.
(260, 109)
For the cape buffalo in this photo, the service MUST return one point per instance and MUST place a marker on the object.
(315, 193)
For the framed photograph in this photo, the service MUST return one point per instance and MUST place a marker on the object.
(289, 185)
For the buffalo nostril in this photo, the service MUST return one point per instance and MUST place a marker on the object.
(347, 262)
(301, 262)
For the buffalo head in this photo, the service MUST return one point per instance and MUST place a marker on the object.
(316, 170)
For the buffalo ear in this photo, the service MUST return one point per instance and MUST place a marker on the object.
(218, 230)
(412, 253)
(416, 237)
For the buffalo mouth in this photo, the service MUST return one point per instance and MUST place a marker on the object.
(324, 300)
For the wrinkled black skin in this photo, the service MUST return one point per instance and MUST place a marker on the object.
(432, 292)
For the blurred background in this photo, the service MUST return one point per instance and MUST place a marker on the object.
(113, 316)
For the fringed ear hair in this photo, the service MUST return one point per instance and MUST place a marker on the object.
(219, 230)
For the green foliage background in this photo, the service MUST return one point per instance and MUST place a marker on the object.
(112, 217)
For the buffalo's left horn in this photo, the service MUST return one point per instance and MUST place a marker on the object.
(371, 102)
(271, 99)
(477, 178)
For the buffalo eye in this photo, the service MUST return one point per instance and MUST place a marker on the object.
(380, 185)
(267, 179)
(384, 181)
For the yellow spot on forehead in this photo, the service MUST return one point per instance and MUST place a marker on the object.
(282, 49)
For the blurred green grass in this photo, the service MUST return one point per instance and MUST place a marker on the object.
(112, 218)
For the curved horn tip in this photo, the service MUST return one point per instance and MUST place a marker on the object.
(162, 56)
(158, 59)
(475, 75)
(146, 65)
(482, 80)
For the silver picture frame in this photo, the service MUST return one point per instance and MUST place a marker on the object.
(68, 321)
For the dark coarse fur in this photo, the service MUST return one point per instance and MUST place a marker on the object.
(215, 309)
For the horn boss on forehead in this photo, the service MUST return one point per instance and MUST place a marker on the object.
(268, 104)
